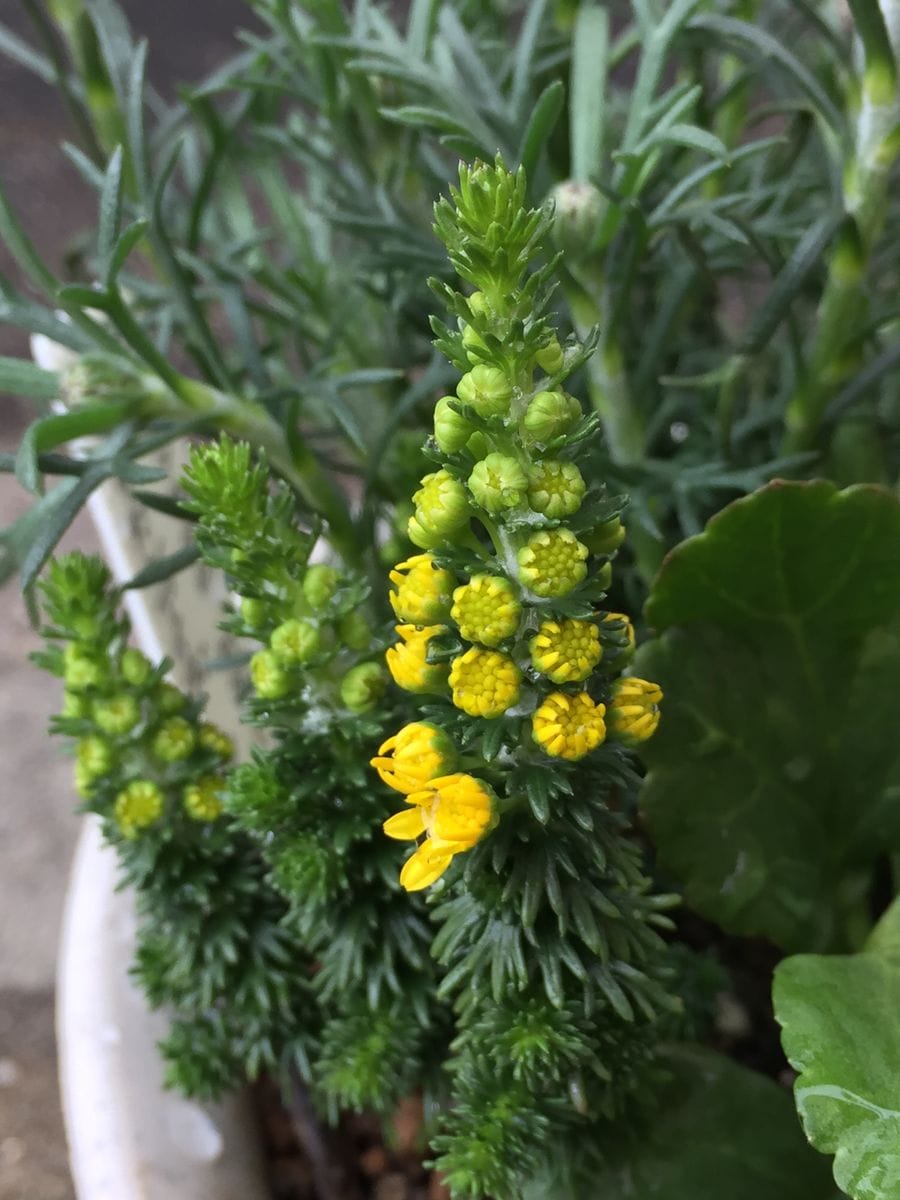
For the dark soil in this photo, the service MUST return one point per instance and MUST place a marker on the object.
(353, 1159)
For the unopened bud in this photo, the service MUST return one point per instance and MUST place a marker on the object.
(295, 641)
(270, 680)
(487, 390)
(498, 482)
(555, 488)
(363, 686)
(441, 504)
(320, 583)
(551, 358)
(136, 667)
(606, 538)
(451, 429)
(355, 631)
(576, 219)
(550, 414)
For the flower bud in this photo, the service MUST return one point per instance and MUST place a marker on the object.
(473, 344)
(479, 445)
(75, 707)
(363, 686)
(451, 429)
(168, 698)
(498, 482)
(487, 390)
(555, 488)
(552, 562)
(295, 641)
(94, 758)
(422, 536)
(320, 583)
(577, 214)
(253, 611)
(550, 358)
(80, 669)
(216, 740)
(618, 638)
(567, 726)
(203, 799)
(174, 740)
(354, 630)
(138, 806)
(96, 379)
(486, 609)
(117, 715)
(421, 591)
(485, 683)
(442, 506)
(606, 538)
(550, 414)
(269, 678)
(633, 713)
(566, 651)
(408, 663)
(136, 667)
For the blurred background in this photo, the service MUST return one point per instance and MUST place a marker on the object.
(38, 825)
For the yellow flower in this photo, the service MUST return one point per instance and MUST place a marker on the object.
(569, 726)
(552, 562)
(408, 663)
(411, 758)
(203, 799)
(618, 633)
(137, 806)
(485, 683)
(634, 709)
(454, 812)
(567, 650)
(486, 609)
(422, 590)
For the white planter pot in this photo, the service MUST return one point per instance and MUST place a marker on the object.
(130, 1138)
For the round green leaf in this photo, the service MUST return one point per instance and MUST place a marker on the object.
(775, 774)
(840, 1018)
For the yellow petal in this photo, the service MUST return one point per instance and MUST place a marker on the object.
(405, 826)
(423, 868)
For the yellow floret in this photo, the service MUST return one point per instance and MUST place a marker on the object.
(411, 758)
(634, 709)
(454, 812)
(422, 590)
(566, 651)
(486, 610)
(569, 726)
(485, 683)
(408, 663)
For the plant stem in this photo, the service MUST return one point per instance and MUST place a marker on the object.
(328, 1174)
(876, 147)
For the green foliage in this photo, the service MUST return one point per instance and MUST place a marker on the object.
(772, 782)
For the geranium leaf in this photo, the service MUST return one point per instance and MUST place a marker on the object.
(774, 775)
(840, 1031)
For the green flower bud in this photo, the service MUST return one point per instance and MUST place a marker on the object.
(84, 782)
(174, 740)
(138, 806)
(295, 641)
(441, 504)
(80, 669)
(478, 303)
(552, 562)
(355, 631)
(168, 698)
(136, 667)
(253, 611)
(577, 215)
(270, 680)
(451, 429)
(97, 379)
(606, 538)
(117, 715)
(422, 536)
(498, 482)
(479, 444)
(320, 583)
(94, 757)
(203, 799)
(74, 706)
(551, 358)
(555, 488)
(603, 576)
(473, 344)
(363, 686)
(216, 740)
(550, 414)
(487, 390)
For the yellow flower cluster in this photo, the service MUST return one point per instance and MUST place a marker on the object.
(421, 591)
(411, 758)
(569, 726)
(486, 609)
(408, 662)
(485, 683)
(566, 651)
(634, 709)
(138, 806)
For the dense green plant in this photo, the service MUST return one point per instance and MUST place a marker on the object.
(683, 288)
